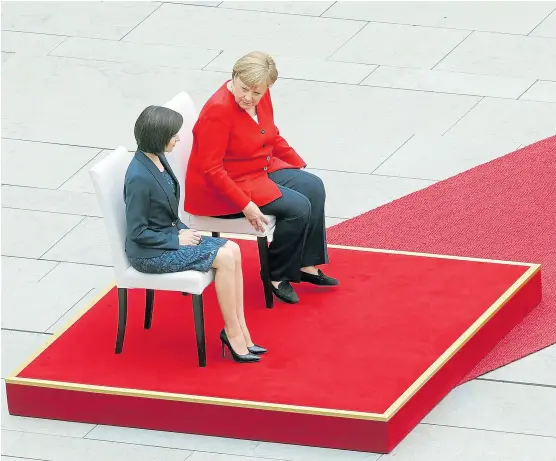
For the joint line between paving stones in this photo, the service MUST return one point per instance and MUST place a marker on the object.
(57, 260)
(52, 212)
(54, 267)
(320, 15)
(48, 54)
(63, 236)
(70, 308)
(544, 19)
(78, 171)
(18, 330)
(530, 86)
(347, 41)
(212, 60)
(397, 149)
(459, 119)
(449, 52)
(367, 76)
(142, 21)
(490, 430)
(58, 144)
(374, 174)
(504, 381)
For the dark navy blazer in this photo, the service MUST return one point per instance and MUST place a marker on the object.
(152, 218)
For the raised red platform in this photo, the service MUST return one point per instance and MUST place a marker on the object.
(352, 367)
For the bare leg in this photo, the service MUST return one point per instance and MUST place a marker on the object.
(234, 248)
(225, 284)
(310, 270)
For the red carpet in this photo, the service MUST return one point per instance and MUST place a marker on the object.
(391, 319)
(503, 209)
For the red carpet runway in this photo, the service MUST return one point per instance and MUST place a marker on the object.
(503, 209)
(354, 367)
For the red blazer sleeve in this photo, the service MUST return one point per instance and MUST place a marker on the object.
(212, 133)
(282, 149)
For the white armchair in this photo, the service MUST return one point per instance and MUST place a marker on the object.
(108, 178)
(178, 160)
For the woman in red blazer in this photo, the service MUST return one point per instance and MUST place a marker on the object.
(241, 166)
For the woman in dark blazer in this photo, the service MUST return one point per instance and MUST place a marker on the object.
(158, 242)
(241, 166)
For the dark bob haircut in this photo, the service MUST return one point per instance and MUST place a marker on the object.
(155, 127)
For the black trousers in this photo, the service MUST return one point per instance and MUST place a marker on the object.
(300, 235)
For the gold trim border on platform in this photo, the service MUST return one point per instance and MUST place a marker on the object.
(382, 417)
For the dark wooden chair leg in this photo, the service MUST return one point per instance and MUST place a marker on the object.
(216, 234)
(200, 329)
(149, 309)
(122, 318)
(265, 271)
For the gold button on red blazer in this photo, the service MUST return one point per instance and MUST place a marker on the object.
(232, 156)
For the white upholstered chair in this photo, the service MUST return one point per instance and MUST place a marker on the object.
(108, 178)
(178, 160)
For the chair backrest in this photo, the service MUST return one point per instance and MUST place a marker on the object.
(179, 157)
(108, 177)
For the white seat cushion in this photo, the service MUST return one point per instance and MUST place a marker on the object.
(230, 226)
(193, 282)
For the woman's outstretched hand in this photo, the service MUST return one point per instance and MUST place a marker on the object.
(255, 217)
(189, 237)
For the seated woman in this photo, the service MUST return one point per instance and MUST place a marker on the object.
(158, 242)
(241, 166)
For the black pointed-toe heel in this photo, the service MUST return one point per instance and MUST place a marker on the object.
(256, 349)
(245, 358)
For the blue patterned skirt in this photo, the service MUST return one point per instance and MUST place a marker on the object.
(186, 258)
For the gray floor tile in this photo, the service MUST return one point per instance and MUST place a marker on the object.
(31, 233)
(27, 163)
(400, 45)
(154, 55)
(448, 82)
(302, 453)
(504, 55)
(499, 407)
(507, 17)
(57, 89)
(30, 44)
(203, 456)
(93, 19)
(220, 28)
(55, 448)
(351, 194)
(311, 8)
(209, 3)
(38, 306)
(538, 368)
(40, 426)
(18, 347)
(6, 56)
(81, 181)
(60, 201)
(547, 28)
(19, 271)
(355, 128)
(541, 91)
(174, 440)
(303, 68)
(437, 443)
(87, 244)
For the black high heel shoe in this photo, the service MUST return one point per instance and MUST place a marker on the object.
(256, 349)
(245, 358)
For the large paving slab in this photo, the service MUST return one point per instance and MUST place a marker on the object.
(547, 28)
(309, 8)
(497, 406)
(29, 44)
(219, 28)
(541, 91)
(108, 20)
(504, 55)
(518, 17)
(400, 45)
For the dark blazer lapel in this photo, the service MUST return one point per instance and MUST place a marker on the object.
(168, 168)
(172, 201)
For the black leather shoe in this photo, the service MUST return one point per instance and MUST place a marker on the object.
(245, 358)
(285, 292)
(256, 349)
(320, 279)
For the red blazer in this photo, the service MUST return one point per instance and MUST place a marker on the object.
(232, 155)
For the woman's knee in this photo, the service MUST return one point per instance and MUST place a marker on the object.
(234, 248)
(314, 190)
(225, 259)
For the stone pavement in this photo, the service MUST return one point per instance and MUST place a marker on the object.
(381, 99)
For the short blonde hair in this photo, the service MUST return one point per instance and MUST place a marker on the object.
(256, 68)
